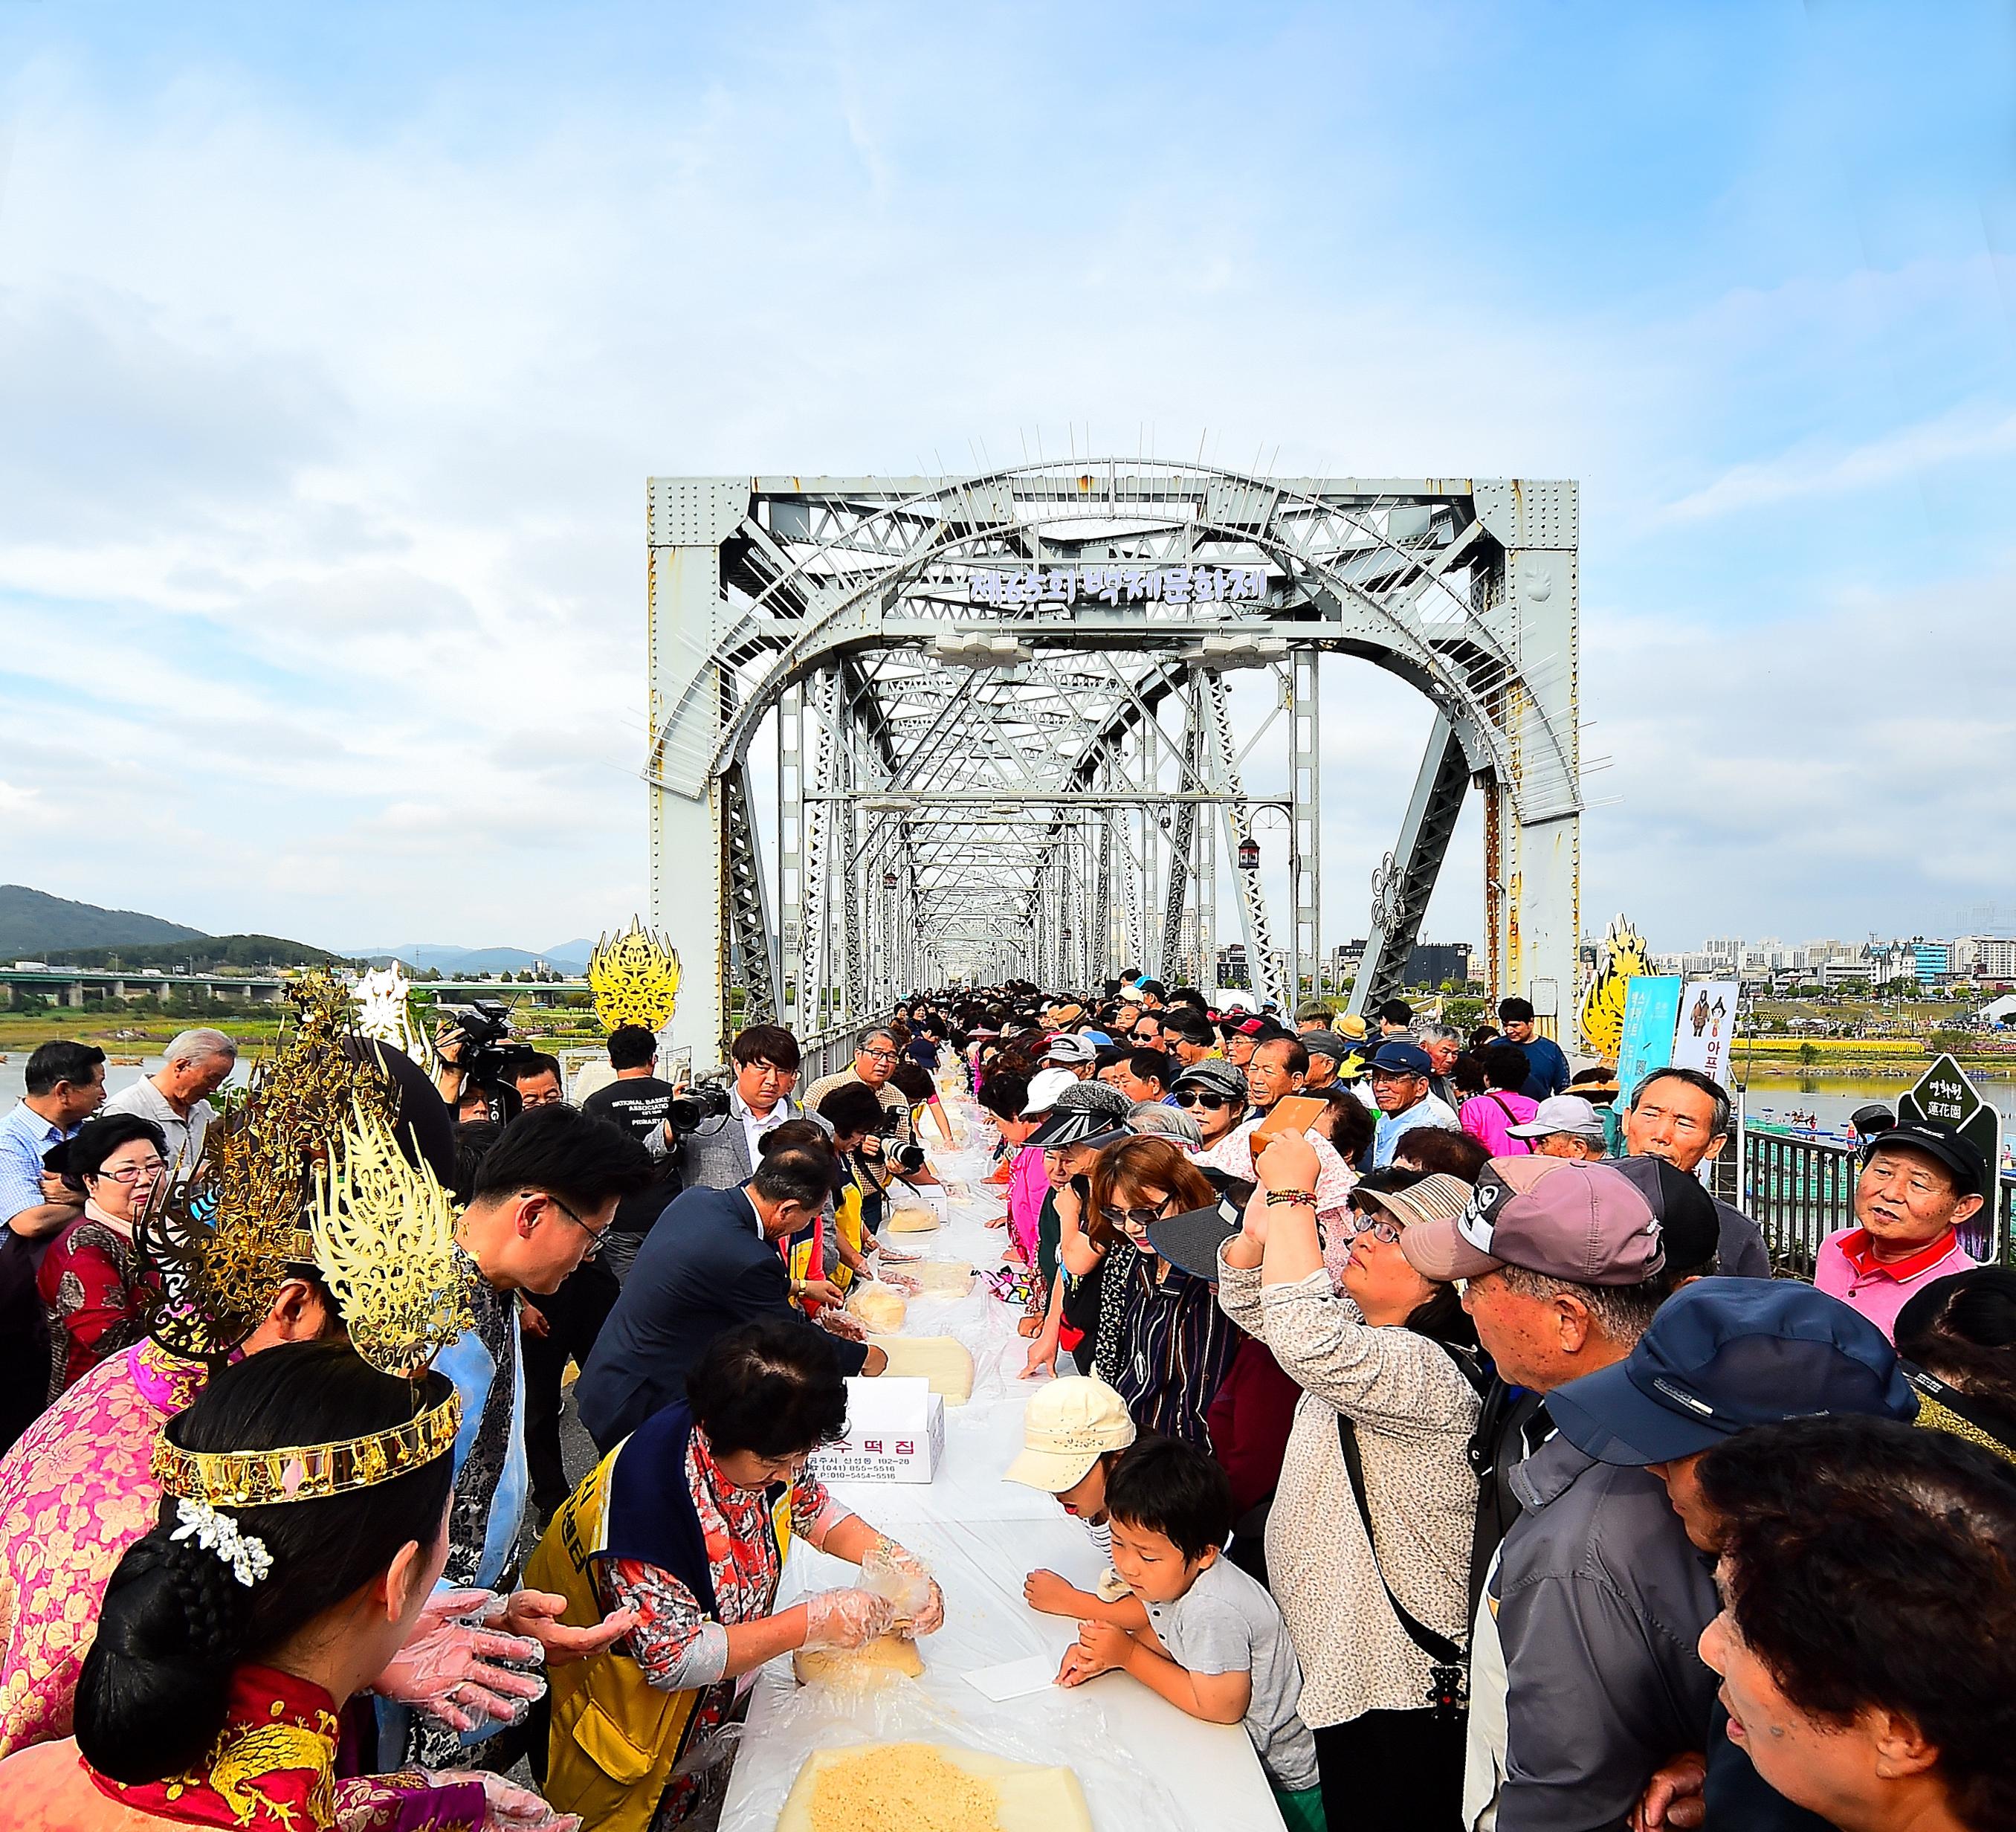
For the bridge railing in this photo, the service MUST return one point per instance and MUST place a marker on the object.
(1798, 1190)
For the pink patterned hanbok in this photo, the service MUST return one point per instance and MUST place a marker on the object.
(75, 1490)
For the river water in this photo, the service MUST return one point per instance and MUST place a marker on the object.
(1830, 1098)
(117, 1075)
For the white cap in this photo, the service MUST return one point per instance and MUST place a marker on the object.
(1569, 1113)
(1045, 1086)
(1067, 1426)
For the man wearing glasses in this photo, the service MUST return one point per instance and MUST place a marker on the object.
(545, 1198)
(875, 1060)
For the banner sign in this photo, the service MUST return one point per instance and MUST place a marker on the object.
(1651, 1010)
(1118, 585)
(1707, 1027)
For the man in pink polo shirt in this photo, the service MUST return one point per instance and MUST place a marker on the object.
(1921, 1181)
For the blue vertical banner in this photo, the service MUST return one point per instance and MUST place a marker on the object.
(1652, 1014)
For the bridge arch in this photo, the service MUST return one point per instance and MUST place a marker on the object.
(969, 679)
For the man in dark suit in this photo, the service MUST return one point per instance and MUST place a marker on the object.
(712, 1262)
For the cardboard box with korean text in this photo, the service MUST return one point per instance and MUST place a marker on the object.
(895, 1433)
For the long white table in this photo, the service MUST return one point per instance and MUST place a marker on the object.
(1142, 1762)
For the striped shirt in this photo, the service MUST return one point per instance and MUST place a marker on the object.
(1164, 1346)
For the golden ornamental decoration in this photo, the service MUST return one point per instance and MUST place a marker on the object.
(220, 1239)
(254, 1478)
(384, 1240)
(635, 979)
(1621, 957)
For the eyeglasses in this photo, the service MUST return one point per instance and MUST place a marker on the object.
(595, 1234)
(880, 1055)
(131, 1173)
(1386, 1231)
(1211, 1103)
(1136, 1220)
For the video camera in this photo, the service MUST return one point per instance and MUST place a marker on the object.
(702, 1102)
(488, 1056)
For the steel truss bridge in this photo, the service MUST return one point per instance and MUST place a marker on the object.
(1005, 745)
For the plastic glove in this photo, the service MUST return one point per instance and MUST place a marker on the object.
(842, 1323)
(506, 1806)
(537, 1612)
(449, 1675)
(847, 1618)
(445, 1671)
(889, 1570)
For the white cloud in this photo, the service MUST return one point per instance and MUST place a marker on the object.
(1828, 469)
(320, 510)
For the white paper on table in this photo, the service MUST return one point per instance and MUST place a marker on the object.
(1015, 1679)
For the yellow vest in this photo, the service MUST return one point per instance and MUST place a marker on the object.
(846, 1224)
(615, 1737)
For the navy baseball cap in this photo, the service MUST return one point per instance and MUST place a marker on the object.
(1395, 1058)
(1724, 1354)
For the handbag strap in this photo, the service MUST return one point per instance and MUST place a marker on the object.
(1437, 1648)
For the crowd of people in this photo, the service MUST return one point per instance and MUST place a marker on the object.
(1435, 1423)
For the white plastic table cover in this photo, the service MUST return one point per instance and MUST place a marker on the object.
(1142, 1762)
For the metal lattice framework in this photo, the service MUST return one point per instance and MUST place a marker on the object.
(1005, 743)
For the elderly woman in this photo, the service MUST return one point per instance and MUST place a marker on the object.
(90, 1279)
(1376, 1499)
(687, 1522)
(1162, 1343)
(1868, 1642)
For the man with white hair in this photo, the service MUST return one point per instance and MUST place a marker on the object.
(176, 1096)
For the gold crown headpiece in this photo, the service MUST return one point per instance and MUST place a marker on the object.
(253, 1479)
(635, 979)
(221, 1238)
(384, 1240)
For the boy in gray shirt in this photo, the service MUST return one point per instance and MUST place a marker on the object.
(1198, 1630)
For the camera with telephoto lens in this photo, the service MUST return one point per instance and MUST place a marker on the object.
(907, 1159)
(702, 1102)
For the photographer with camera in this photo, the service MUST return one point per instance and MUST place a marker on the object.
(481, 1061)
(642, 1105)
(726, 1144)
(892, 1151)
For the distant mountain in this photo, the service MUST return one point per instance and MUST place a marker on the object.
(203, 953)
(33, 923)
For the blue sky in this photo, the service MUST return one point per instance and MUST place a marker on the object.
(335, 347)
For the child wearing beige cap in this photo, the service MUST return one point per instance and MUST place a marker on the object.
(1073, 1431)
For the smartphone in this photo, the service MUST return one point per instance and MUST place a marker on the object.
(1290, 1113)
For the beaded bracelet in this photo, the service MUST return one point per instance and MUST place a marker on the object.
(1276, 1197)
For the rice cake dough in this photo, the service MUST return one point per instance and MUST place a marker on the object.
(914, 1786)
(880, 1308)
(944, 1360)
(940, 1277)
(887, 1657)
(912, 1218)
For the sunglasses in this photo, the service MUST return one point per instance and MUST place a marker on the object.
(1136, 1220)
(1211, 1103)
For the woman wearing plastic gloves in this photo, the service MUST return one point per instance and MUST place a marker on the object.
(687, 1522)
(303, 1524)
